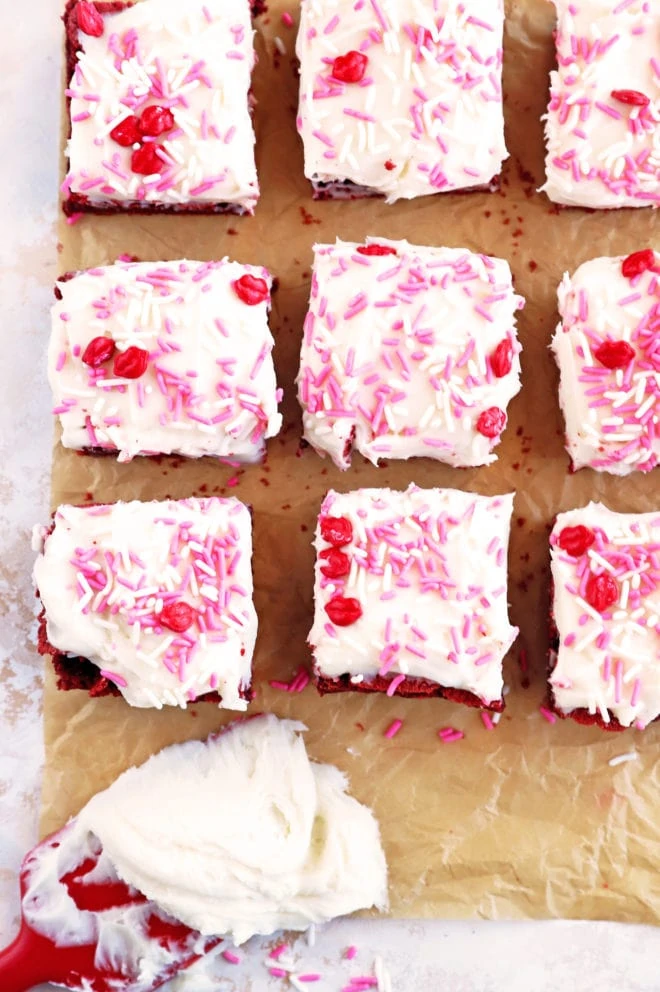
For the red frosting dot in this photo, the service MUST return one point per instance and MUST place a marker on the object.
(632, 97)
(126, 133)
(390, 165)
(576, 540)
(638, 263)
(131, 364)
(491, 422)
(343, 611)
(350, 68)
(98, 351)
(602, 591)
(501, 359)
(145, 160)
(155, 121)
(337, 563)
(615, 354)
(177, 617)
(336, 530)
(251, 290)
(89, 19)
(376, 250)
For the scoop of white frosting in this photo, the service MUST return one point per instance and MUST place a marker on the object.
(241, 834)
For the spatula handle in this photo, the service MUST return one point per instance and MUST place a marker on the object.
(22, 966)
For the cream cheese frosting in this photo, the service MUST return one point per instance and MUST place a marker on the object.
(602, 126)
(207, 385)
(425, 115)
(238, 835)
(408, 351)
(428, 570)
(607, 612)
(607, 348)
(157, 595)
(192, 59)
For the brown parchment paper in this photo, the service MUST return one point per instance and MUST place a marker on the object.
(528, 821)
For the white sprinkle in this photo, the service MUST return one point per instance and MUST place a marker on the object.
(620, 759)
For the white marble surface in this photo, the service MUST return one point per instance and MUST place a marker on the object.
(425, 957)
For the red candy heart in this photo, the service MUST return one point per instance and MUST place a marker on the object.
(376, 250)
(145, 160)
(89, 20)
(126, 133)
(342, 611)
(336, 530)
(350, 68)
(576, 540)
(98, 351)
(251, 290)
(502, 359)
(155, 121)
(491, 422)
(337, 563)
(177, 617)
(632, 97)
(602, 591)
(638, 263)
(615, 354)
(131, 364)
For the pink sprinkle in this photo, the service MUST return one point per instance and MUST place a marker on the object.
(391, 732)
(547, 714)
(487, 721)
(278, 972)
(113, 677)
(449, 734)
(233, 481)
(73, 218)
(287, 19)
(231, 957)
(312, 977)
(394, 684)
(278, 951)
(351, 951)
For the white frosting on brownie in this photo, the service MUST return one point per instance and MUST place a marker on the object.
(209, 385)
(157, 595)
(410, 353)
(602, 126)
(238, 835)
(606, 574)
(194, 59)
(612, 414)
(425, 115)
(427, 569)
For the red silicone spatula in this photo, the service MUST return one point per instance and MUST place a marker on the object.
(134, 945)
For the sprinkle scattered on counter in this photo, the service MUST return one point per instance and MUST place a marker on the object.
(621, 759)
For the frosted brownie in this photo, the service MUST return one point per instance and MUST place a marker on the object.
(150, 600)
(607, 347)
(606, 617)
(604, 112)
(400, 98)
(158, 102)
(410, 594)
(163, 358)
(408, 351)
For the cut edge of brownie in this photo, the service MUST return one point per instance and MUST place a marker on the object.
(346, 189)
(77, 203)
(410, 688)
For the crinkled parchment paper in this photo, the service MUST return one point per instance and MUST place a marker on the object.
(528, 820)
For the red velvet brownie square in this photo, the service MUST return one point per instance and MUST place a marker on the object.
(607, 348)
(410, 594)
(165, 358)
(159, 107)
(604, 112)
(400, 98)
(153, 600)
(408, 351)
(606, 614)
